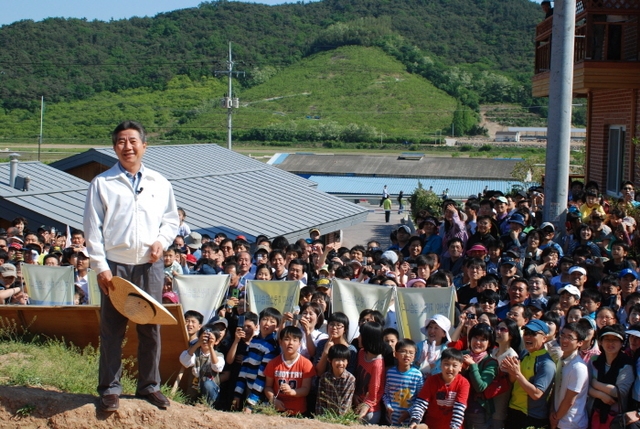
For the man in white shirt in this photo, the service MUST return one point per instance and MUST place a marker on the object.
(131, 216)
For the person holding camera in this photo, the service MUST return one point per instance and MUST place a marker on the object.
(206, 362)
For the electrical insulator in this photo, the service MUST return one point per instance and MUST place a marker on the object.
(236, 103)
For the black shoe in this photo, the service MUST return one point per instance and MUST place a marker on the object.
(109, 403)
(155, 398)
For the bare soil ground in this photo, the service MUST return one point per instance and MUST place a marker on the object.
(38, 408)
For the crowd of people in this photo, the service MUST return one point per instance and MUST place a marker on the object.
(546, 333)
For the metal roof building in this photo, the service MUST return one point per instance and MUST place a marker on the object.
(54, 198)
(406, 165)
(223, 191)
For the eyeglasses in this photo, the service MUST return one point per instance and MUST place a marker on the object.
(568, 338)
(512, 314)
(530, 333)
(336, 325)
(406, 353)
(502, 329)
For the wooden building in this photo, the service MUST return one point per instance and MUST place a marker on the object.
(607, 73)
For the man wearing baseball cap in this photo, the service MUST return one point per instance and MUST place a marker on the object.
(534, 376)
(569, 296)
(546, 238)
(628, 279)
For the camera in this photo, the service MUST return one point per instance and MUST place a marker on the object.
(297, 317)
(471, 316)
(240, 321)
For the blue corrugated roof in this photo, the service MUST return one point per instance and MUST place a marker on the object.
(277, 158)
(458, 188)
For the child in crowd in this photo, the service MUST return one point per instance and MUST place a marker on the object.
(337, 386)
(289, 376)
(428, 356)
(538, 288)
(206, 363)
(570, 398)
(444, 397)
(193, 322)
(591, 300)
(261, 350)
(171, 267)
(575, 313)
(370, 373)
(237, 350)
(391, 337)
(402, 384)
(183, 228)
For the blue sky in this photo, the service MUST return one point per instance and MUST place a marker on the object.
(37, 10)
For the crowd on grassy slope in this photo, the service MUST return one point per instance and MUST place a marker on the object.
(547, 329)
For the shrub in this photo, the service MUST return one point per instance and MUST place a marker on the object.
(423, 199)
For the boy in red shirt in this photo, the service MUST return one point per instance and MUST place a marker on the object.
(444, 395)
(289, 376)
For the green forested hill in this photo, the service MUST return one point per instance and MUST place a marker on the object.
(350, 94)
(475, 45)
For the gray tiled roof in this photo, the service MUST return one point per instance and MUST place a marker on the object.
(222, 190)
(393, 166)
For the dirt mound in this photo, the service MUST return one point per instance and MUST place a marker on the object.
(28, 407)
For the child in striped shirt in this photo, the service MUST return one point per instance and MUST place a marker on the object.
(443, 396)
(403, 382)
(261, 350)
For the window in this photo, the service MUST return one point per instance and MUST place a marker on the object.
(615, 163)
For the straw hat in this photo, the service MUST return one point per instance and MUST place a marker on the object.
(137, 305)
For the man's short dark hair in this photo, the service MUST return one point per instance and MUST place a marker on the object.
(298, 262)
(581, 332)
(454, 240)
(77, 232)
(344, 272)
(251, 317)
(129, 125)
(526, 311)
(195, 314)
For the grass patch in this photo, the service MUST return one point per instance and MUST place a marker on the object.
(32, 361)
(348, 419)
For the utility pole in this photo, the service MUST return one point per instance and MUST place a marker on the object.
(556, 184)
(229, 102)
(41, 121)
